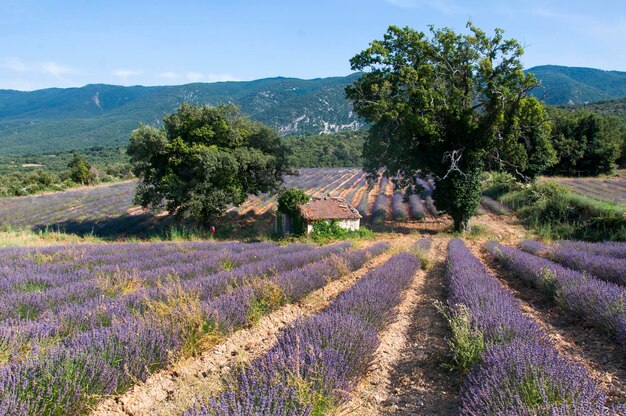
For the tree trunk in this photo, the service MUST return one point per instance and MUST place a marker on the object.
(462, 225)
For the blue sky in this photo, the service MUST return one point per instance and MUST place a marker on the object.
(68, 43)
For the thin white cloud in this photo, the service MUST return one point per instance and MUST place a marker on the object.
(605, 30)
(200, 77)
(47, 67)
(126, 73)
(168, 75)
(194, 76)
(55, 69)
(14, 64)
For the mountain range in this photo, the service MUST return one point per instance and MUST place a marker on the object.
(55, 119)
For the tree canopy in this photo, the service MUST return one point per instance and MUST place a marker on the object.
(204, 160)
(586, 143)
(80, 171)
(451, 105)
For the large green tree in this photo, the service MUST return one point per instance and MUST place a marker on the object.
(449, 104)
(205, 159)
(586, 143)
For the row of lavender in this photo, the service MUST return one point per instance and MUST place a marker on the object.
(53, 294)
(513, 367)
(598, 302)
(318, 360)
(605, 261)
(143, 330)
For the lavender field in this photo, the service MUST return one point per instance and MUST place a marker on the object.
(608, 189)
(81, 322)
(84, 322)
(109, 210)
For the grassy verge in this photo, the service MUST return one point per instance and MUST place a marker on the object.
(554, 212)
(20, 237)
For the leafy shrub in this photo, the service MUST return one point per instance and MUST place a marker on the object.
(496, 184)
(467, 344)
(289, 202)
(556, 213)
(330, 230)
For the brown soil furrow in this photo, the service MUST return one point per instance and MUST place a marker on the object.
(339, 189)
(407, 377)
(324, 189)
(171, 391)
(585, 345)
(355, 180)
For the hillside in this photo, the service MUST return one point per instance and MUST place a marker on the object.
(56, 119)
(62, 119)
(611, 108)
(572, 85)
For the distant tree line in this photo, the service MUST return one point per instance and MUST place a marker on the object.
(327, 150)
(31, 174)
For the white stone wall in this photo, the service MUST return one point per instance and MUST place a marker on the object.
(351, 225)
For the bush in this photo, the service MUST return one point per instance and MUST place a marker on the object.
(557, 213)
(330, 230)
(495, 184)
(289, 202)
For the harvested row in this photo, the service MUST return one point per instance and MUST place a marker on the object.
(110, 359)
(599, 303)
(318, 359)
(513, 367)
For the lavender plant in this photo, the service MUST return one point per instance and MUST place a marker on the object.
(607, 248)
(104, 344)
(517, 371)
(398, 207)
(416, 207)
(318, 359)
(599, 303)
(495, 206)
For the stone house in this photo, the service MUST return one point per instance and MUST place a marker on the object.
(326, 208)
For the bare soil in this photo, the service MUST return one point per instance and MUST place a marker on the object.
(407, 376)
(173, 390)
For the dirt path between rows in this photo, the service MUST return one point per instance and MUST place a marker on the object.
(407, 377)
(603, 359)
(171, 391)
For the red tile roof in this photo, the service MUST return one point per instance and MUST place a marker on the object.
(329, 208)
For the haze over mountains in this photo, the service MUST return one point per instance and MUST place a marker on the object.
(55, 119)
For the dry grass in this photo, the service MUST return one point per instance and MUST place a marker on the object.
(29, 238)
